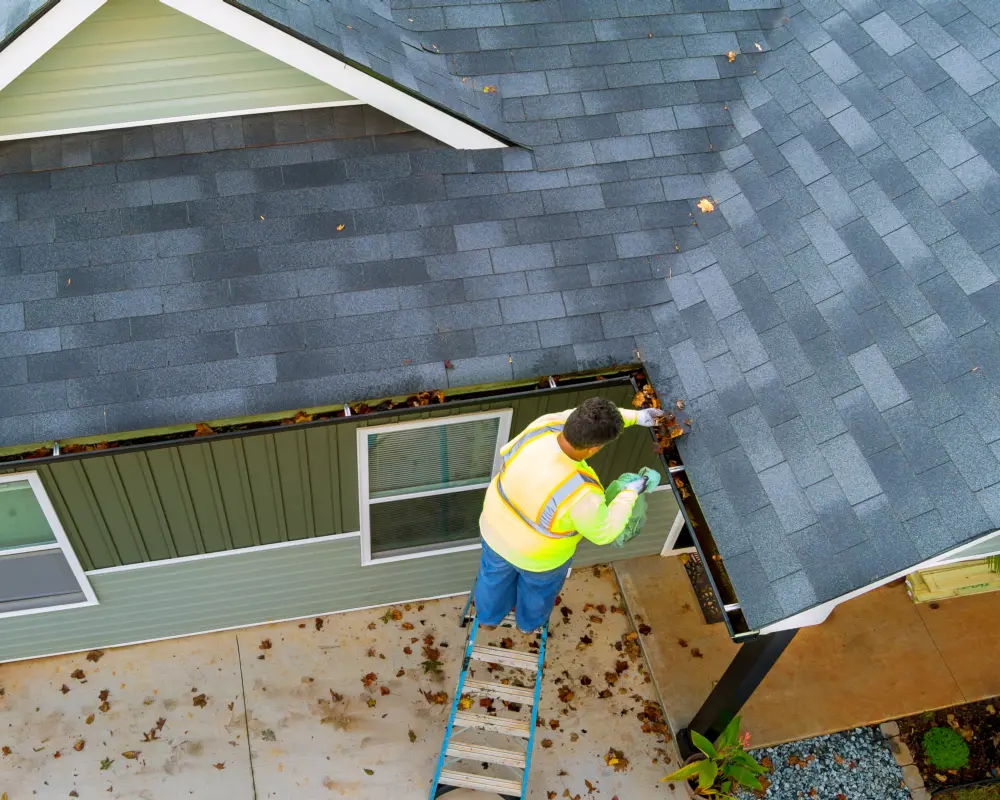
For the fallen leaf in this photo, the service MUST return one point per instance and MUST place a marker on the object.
(489, 89)
(431, 665)
(408, 650)
(268, 735)
(200, 700)
(645, 630)
(757, 45)
(407, 626)
(449, 365)
(585, 680)
(412, 735)
(79, 745)
(57, 754)
(696, 653)
(371, 626)
(104, 707)
(621, 666)
(103, 695)
(369, 679)
(90, 720)
(731, 56)
(106, 763)
(616, 759)
(554, 724)
(604, 694)
(6, 750)
(132, 754)
(78, 674)
(64, 689)
(705, 205)
(384, 690)
(319, 623)
(437, 698)
(565, 694)
(340, 227)
(465, 702)
(551, 795)
(546, 743)
(265, 645)
(160, 723)
(369, 772)
(201, 429)
(611, 678)
(400, 673)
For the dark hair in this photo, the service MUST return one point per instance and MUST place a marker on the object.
(596, 421)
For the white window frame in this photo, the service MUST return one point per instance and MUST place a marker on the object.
(61, 543)
(504, 415)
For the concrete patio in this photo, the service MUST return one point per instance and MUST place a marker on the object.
(281, 711)
(877, 657)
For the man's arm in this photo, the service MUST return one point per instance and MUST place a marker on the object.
(599, 521)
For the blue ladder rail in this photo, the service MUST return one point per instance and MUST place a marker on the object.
(437, 789)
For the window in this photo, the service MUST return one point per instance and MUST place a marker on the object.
(422, 484)
(38, 569)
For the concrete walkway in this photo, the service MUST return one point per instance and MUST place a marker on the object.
(282, 711)
(877, 657)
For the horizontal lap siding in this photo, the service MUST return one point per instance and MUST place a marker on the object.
(246, 588)
(139, 60)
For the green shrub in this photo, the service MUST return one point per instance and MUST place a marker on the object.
(946, 748)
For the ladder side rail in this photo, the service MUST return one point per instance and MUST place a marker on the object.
(534, 709)
(466, 660)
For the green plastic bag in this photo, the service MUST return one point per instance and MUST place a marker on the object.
(634, 525)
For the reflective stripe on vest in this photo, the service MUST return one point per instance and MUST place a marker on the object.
(547, 515)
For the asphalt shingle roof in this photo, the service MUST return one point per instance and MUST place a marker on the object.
(833, 325)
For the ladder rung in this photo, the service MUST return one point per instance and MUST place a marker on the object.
(512, 727)
(492, 755)
(514, 694)
(510, 658)
(482, 783)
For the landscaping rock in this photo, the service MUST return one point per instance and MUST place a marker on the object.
(856, 765)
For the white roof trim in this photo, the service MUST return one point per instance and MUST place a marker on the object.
(415, 112)
(42, 36)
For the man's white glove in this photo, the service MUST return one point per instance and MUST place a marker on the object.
(649, 417)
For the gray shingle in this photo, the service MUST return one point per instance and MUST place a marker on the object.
(966, 70)
(835, 62)
(884, 30)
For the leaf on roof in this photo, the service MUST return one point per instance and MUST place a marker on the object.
(340, 227)
(759, 48)
(201, 429)
(706, 205)
(490, 89)
(731, 56)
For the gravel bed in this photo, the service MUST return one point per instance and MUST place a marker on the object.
(856, 765)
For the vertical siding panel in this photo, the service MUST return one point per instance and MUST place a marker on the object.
(110, 496)
(347, 459)
(292, 474)
(144, 501)
(173, 488)
(201, 478)
(321, 472)
(76, 540)
(88, 518)
(266, 491)
(237, 496)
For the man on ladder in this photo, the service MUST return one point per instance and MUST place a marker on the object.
(543, 500)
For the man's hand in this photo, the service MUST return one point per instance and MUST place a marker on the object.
(649, 417)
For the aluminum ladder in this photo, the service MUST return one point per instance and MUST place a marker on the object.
(514, 758)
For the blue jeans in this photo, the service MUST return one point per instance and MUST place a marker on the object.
(501, 586)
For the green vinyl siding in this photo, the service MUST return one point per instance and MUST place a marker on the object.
(138, 61)
(251, 587)
(200, 497)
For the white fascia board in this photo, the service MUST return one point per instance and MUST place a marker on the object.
(819, 613)
(312, 61)
(42, 36)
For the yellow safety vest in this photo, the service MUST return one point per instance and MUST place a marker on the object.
(523, 517)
